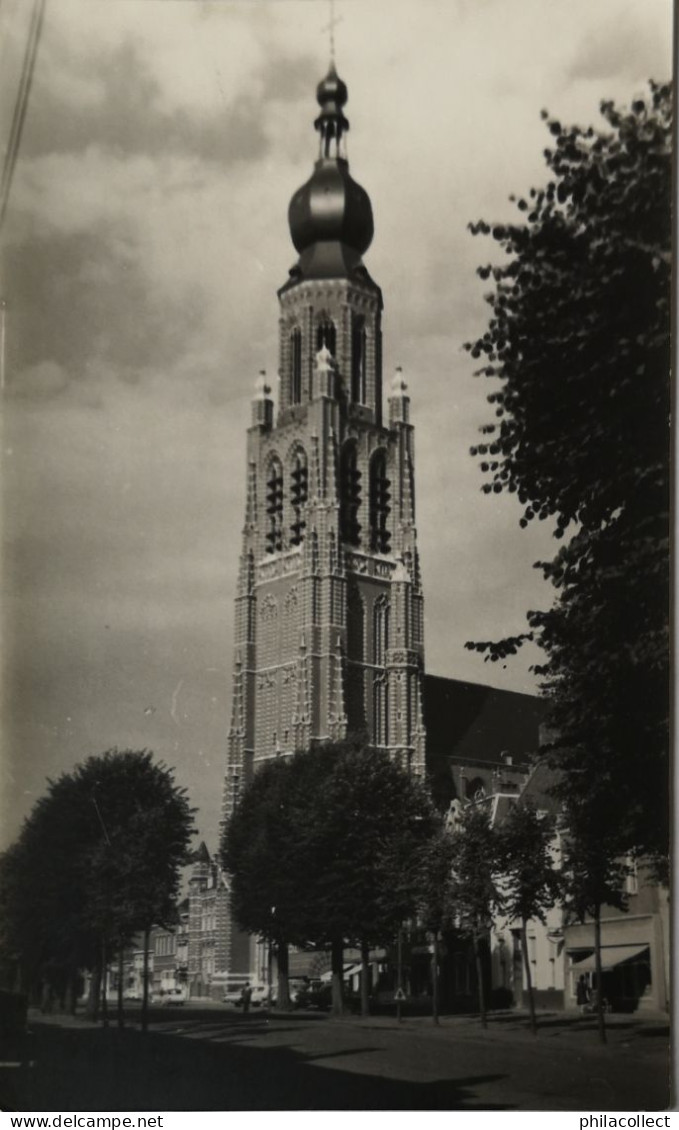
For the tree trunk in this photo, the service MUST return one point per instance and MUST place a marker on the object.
(283, 997)
(46, 997)
(337, 959)
(92, 1011)
(121, 970)
(145, 987)
(70, 994)
(435, 979)
(529, 979)
(104, 985)
(481, 989)
(365, 979)
(34, 991)
(597, 965)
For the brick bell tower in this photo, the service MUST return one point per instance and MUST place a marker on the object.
(329, 619)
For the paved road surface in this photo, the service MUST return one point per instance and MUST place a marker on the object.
(200, 1059)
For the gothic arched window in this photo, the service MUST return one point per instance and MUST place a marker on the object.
(381, 710)
(380, 631)
(380, 536)
(350, 494)
(326, 335)
(274, 507)
(299, 493)
(358, 361)
(296, 366)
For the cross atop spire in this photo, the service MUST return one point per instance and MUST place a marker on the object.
(330, 27)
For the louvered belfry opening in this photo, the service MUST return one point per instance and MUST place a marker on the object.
(299, 493)
(380, 497)
(350, 501)
(274, 507)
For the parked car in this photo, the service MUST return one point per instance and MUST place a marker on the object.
(316, 995)
(260, 996)
(173, 997)
(168, 997)
(297, 986)
(233, 993)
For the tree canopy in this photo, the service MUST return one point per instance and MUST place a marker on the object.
(260, 851)
(96, 862)
(474, 892)
(321, 848)
(530, 884)
(578, 348)
(364, 826)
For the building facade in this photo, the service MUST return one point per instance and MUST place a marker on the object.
(635, 942)
(329, 619)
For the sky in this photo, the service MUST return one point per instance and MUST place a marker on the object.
(144, 242)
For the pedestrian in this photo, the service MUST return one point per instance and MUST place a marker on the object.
(582, 993)
(246, 996)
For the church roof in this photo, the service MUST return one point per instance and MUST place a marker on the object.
(201, 855)
(470, 722)
(539, 786)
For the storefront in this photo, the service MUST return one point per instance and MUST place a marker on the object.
(632, 967)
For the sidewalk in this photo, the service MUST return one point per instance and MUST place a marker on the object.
(622, 1029)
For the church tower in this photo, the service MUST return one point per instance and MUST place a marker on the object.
(329, 620)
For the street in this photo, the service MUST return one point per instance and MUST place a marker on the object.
(202, 1058)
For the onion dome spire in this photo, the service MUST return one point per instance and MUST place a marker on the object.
(330, 217)
(331, 94)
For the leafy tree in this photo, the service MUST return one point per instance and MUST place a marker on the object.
(328, 838)
(578, 345)
(593, 876)
(473, 890)
(261, 853)
(97, 861)
(530, 884)
(367, 820)
(435, 907)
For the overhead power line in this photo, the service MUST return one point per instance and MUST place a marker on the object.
(21, 104)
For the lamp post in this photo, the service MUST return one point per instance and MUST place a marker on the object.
(399, 972)
(269, 972)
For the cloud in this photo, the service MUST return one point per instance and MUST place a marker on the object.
(628, 44)
(42, 381)
(171, 86)
(145, 240)
(130, 116)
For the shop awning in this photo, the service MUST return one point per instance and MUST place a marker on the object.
(610, 957)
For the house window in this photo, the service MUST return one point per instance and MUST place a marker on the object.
(350, 494)
(380, 497)
(299, 493)
(632, 877)
(274, 507)
(296, 366)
